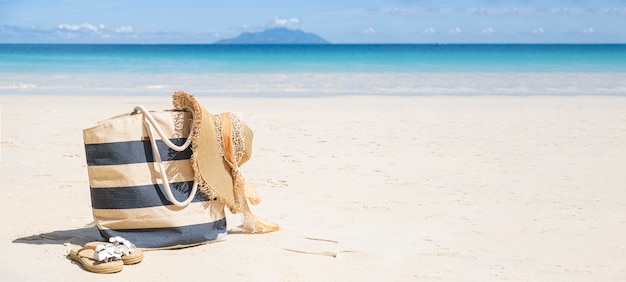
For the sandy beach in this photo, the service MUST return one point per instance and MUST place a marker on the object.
(372, 188)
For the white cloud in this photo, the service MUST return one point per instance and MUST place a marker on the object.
(488, 30)
(90, 33)
(588, 30)
(124, 29)
(369, 30)
(81, 27)
(570, 11)
(538, 30)
(456, 30)
(430, 30)
(403, 11)
(502, 11)
(290, 22)
(621, 11)
(248, 28)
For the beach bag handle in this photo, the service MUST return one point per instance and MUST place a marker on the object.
(150, 124)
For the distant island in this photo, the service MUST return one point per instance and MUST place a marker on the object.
(278, 35)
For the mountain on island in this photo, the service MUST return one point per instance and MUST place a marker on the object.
(278, 35)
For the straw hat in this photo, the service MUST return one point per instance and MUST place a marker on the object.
(221, 144)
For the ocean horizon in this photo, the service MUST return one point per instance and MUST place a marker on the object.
(314, 70)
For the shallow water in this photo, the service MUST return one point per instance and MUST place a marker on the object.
(313, 70)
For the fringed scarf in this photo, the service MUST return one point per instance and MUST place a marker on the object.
(232, 144)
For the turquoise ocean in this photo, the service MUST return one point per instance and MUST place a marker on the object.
(314, 70)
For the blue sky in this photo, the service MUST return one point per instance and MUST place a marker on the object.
(338, 21)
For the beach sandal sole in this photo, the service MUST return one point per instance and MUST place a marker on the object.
(92, 265)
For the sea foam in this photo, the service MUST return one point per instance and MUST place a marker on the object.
(321, 84)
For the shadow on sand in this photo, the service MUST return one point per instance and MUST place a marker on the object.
(79, 236)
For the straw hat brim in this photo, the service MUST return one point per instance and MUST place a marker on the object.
(209, 165)
(213, 169)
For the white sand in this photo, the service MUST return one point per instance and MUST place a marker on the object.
(365, 188)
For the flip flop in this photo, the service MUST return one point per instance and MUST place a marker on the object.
(129, 252)
(86, 257)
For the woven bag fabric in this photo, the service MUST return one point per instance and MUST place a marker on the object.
(126, 185)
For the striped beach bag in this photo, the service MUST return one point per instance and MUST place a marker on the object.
(142, 181)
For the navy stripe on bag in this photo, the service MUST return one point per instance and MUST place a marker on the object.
(132, 152)
(143, 196)
(171, 236)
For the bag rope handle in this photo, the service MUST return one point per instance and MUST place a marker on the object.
(150, 124)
